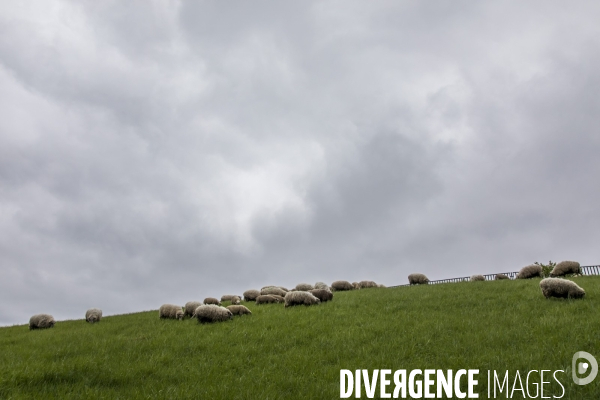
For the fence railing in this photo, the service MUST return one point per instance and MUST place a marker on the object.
(586, 270)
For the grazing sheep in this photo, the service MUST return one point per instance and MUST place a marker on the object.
(239, 310)
(273, 286)
(304, 287)
(277, 297)
(212, 300)
(475, 278)
(341, 286)
(530, 271)
(322, 294)
(273, 290)
(41, 321)
(227, 297)
(267, 299)
(321, 285)
(418, 279)
(300, 298)
(501, 276)
(566, 267)
(381, 285)
(251, 295)
(562, 288)
(355, 285)
(367, 284)
(212, 313)
(190, 307)
(235, 300)
(170, 311)
(93, 315)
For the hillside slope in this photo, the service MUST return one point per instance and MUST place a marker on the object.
(298, 352)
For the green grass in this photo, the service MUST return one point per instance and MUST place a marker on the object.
(297, 353)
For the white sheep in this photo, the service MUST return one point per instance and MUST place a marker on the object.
(235, 300)
(418, 279)
(190, 307)
(321, 285)
(273, 290)
(304, 287)
(93, 315)
(322, 294)
(212, 313)
(476, 278)
(212, 300)
(41, 321)
(251, 295)
(367, 284)
(341, 286)
(562, 288)
(566, 267)
(300, 298)
(530, 271)
(239, 310)
(170, 311)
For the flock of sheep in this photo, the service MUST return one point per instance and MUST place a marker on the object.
(554, 286)
(210, 310)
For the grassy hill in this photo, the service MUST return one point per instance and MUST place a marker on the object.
(297, 353)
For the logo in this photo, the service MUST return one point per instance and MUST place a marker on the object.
(582, 367)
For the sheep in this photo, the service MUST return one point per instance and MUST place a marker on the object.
(277, 297)
(93, 315)
(212, 300)
(239, 310)
(190, 307)
(266, 299)
(212, 313)
(41, 321)
(355, 285)
(227, 297)
(273, 286)
(251, 295)
(566, 267)
(501, 276)
(476, 278)
(235, 300)
(300, 298)
(273, 290)
(418, 279)
(322, 294)
(367, 284)
(561, 288)
(321, 285)
(170, 311)
(341, 285)
(381, 285)
(305, 287)
(530, 271)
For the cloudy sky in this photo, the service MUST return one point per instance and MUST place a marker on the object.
(166, 151)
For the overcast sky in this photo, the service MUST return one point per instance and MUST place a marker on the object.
(166, 151)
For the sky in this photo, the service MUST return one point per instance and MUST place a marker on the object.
(165, 151)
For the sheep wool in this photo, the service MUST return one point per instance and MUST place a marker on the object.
(367, 284)
(530, 271)
(208, 313)
(300, 298)
(305, 287)
(561, 288)
(341, 286)
(355, 285)
(239, 310)
(322, 294)
(251, 295)
(212, 300)
(321, 285)
(41, 321)
(170, 311)
(235, 300)
(273, 290)
(227, 297)
(190, 307)
(266, 299)
(93, 315)
(501, 276)
(566, 267)
(476, 278)
(418, 279)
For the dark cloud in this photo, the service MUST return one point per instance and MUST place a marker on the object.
(174, 151)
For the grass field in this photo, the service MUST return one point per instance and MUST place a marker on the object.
(297, 353)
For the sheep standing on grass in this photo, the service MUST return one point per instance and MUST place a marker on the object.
(235, 300)
(227, 297)
(190, 307)
(355, 285)
(562, 288)
(93, 315)
(530, 271)
(273, 290)
(41, 321)
(304, 287)
(322, 294)
(367, 284)
(212, 313)
(381, 285)
(501, 276)
(170, 311)
(239, 310)
(300, 298)
(266, 299)
(566, 267)
(417, 279)
(321, 285)
(212, 300)
(251, 295)
(476, 278)
(341, 286)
